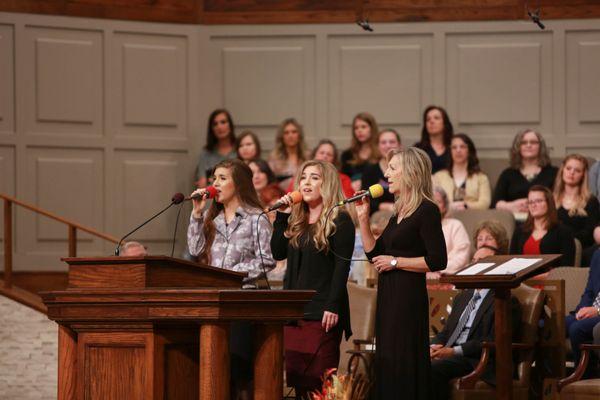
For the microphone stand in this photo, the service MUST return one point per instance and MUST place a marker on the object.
(118, 248)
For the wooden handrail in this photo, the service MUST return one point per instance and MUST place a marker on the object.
(72, 233)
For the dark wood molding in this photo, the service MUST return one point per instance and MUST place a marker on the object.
(302, 11)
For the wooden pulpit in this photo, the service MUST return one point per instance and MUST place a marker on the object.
(501, 273)
(157, 328)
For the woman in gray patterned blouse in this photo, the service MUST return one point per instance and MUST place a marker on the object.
(226, 236)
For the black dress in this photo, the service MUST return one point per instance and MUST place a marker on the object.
(438, 161)
(582, 226)
(354, 171)
(402, 365)
(374, 175)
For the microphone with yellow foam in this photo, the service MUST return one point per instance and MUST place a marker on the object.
(373, 192)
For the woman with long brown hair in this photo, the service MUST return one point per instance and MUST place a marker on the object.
(232, 235)
(289, 152)
(363, 148)
(317, 238)
(542, 232)
(220, 145)
(577, 208)
(436, 133)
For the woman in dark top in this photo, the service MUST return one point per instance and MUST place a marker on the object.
(363, 148)
(387, 140)
(317, 239)
(411, 245)
(436, 135)
(529, 166)
(542, 233)
(578, 209)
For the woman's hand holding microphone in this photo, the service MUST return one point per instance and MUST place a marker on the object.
(199, 197)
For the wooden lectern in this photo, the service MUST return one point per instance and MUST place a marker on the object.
(157, 328)
(502, 282)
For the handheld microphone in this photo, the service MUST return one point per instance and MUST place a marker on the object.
(296, 198)
(210, 193)
(373, 192)
(176, 199)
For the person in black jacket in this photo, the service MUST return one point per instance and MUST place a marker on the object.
(317, 239)
(542, 233)
(455, 351)
(529, 166)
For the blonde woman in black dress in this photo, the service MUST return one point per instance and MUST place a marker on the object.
(411, 245)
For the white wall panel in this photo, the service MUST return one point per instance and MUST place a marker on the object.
(389, 76)
(64, 82)
(149, 99)
(264, 80)
(7, 80)
(498, 84)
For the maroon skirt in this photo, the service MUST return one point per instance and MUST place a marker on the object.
(309, 352)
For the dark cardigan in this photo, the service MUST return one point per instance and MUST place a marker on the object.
(309, 268)
(558, 240)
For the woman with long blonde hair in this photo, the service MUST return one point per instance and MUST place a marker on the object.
(289, 152)
(317, 238)
(411, 245)
(577, 207)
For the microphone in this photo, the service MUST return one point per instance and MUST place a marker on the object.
(296, 198)
(373, 192)
(210, 193)
(176, 199)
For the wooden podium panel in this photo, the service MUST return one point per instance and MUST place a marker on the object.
(148, 339)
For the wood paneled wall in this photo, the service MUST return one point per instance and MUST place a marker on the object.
(304, 11)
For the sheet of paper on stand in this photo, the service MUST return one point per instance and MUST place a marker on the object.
(475, 269)
(513, 266)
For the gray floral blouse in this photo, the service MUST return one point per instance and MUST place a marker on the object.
(236, 246)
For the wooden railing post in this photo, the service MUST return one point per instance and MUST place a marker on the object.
(8, 248)
(72, 241)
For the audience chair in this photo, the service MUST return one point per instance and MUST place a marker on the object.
(363, 303)
(471, 387)
(575, 282)
(572, 387)
(578, 252)
(472, 218)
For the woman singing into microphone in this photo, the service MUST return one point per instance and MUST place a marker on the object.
(316, 241)
(411, 245)
(226, 236)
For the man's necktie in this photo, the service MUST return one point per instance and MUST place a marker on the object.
(463, 319)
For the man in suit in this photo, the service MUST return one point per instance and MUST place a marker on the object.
(455, 351)
(581, 322)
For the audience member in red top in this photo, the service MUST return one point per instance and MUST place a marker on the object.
(327, 151)
(264, 182)
(542, 233)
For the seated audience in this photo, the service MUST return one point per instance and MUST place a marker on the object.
(529, 166)
(220, 145)
(463, 181)
(490, 239)
(577, 208)
(327, 151)
(133, 249)
(542, 232)
(265, 183)
(387, 140)
(458, 246)
(455, 351)
(436, 134)
(594, 180)
(289, 152)
(363, 148)
(361, 271)
(581, 322)
(247, 146)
